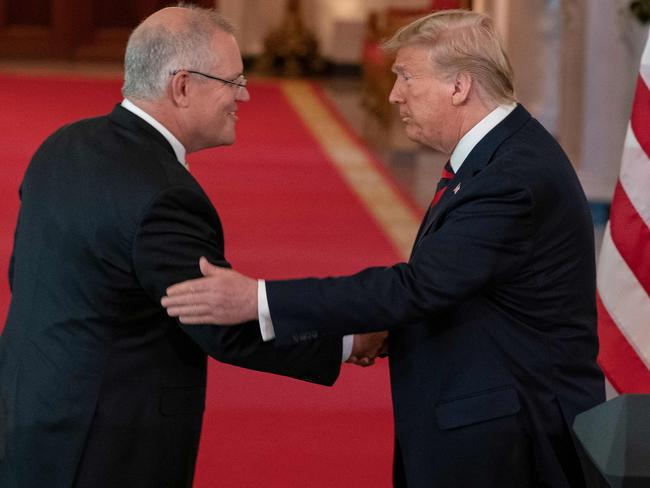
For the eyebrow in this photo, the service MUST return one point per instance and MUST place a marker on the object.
(398, 69)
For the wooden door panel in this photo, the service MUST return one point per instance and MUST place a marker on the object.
(28, 12)
(73, 29)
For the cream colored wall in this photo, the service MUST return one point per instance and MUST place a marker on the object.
(252, 19)
(615, 42)
(575, 65)
(531, 32)
(575, 62)
(339, 25)
(342, 25)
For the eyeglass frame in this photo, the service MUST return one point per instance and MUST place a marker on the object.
(242, 84)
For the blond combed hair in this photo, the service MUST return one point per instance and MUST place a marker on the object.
(462, 41)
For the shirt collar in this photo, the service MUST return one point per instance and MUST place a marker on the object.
(478, 132)
(178, 148)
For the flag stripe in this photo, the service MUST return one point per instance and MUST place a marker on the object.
(644, 68)
(619, 361)
(625, 300)
(639, 117)
(631, 237)
(635, 176)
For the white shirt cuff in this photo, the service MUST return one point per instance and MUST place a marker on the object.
(266, 325)
(263, 312)
(347, 347)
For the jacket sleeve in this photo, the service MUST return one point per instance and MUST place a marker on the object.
(484, 237)
(178, 227)
(12, 258)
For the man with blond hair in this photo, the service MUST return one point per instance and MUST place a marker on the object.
(492, 321)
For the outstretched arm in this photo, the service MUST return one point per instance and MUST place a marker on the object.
(485, 238)
(227, 297)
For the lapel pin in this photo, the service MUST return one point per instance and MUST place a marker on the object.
(455, 190)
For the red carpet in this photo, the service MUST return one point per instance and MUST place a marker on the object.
(286, 212)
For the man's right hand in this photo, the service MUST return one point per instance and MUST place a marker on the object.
(367, 347)
(223, 296)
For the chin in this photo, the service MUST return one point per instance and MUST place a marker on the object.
(415, 138)
(414, 134)
(226, 140)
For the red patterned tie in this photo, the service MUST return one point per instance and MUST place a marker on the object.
(445, 178)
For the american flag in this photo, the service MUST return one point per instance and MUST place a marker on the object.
(624, 264)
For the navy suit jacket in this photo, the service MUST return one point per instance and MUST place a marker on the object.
(492, 321)
(98, 386)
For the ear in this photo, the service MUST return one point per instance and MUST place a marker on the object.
(462, 88)
(180, 88)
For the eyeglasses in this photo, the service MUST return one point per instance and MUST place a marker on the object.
(239, 82)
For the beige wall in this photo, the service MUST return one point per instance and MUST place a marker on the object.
(575, 62)
(615, 42)
(575, 65)
(338, 24)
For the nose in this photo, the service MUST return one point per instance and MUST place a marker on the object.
(395, 95)
(242, 94)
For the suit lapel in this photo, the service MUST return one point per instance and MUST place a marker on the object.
(434, 213)
(132, 122)
(475, 162)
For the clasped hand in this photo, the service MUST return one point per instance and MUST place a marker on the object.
(225, 297)
(367, 347)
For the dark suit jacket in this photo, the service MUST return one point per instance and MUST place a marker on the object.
(492, 321)
(99, 387)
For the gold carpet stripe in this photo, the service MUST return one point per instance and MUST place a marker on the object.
(386, 206)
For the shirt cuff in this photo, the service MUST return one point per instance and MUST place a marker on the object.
(266, 325)
(348, 340)
(263, 312)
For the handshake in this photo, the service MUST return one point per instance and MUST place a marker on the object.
(226, 297)
(367, 347)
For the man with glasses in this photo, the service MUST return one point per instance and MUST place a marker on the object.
(239, 82)
(98, 386)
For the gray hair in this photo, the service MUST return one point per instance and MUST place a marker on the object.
(462, 42)
(155, 51)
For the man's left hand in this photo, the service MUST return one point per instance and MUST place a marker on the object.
(223, 297)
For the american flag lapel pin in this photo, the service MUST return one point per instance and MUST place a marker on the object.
(455, 190)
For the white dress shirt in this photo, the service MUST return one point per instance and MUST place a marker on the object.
(478, 132)
(178, 148)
